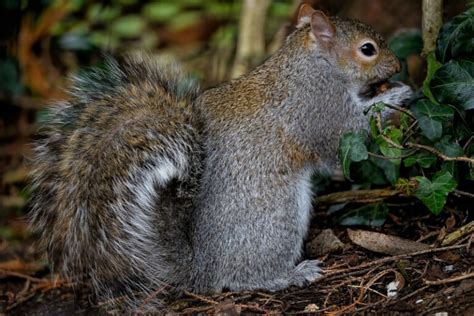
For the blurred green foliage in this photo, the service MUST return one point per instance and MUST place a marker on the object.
(107, 24)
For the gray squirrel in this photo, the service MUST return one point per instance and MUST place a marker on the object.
(142, 181)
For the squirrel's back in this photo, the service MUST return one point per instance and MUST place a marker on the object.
(125, 145)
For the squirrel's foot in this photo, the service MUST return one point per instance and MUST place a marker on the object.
(306, 272)
(398, 95)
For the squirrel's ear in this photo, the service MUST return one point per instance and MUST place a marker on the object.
(321, 27)
(304, 15)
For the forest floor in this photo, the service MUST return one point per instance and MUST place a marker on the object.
(435, 279)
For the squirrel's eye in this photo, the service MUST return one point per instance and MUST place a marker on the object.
(368, 49)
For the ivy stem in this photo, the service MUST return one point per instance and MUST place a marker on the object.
(440, 154)
(378, 119)
(400, 109)
(468, 142)
(392, 158)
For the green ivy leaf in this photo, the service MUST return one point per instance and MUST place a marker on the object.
(455, 38)
(449, 166)
(373, 215)
(433, 66)
(422, 159)
(405, 121)
(448, 147)
(406, 43)
(374, 131)
(430, 115)
(390, 152)
(366, 171)
(352, 148)
(454, 84)
(451, 149)
(387, 149)
(432, 110)
(390, 169)
(407, 186)
(435, 193)
(430, 128)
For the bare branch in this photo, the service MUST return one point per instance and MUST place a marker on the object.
(432, 20)
(440, 154)
(251, 44)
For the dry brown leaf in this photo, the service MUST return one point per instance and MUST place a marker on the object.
(324, 243)
(390, 245)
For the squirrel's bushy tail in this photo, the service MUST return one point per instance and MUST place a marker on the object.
(113, 177)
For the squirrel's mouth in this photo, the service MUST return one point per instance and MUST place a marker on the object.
(375, 87)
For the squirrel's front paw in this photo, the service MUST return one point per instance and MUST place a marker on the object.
(306, 272)
(398, 94)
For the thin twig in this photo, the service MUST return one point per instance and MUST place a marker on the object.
(450, 280)
(440, 154)
(201, 298)
(392, 158)
(391, 259)
(148, 299)
(468, 142)
(22, 275)
(458, 233)
(421, 289)
(356, 196)
(409, 131)
(368, 289)
(459, 192)
(21, 301)
(378, 121)
(366, 271)
(400, 109)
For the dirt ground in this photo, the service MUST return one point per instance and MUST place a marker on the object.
(429, 281)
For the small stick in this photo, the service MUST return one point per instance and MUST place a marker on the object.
(440, 154)
(368, 289)
(468, 142)
(391, 259)
(148, 299)
(378, 120)
(21, 275)
(201, 298)
(459, 192)
(400, 109)
(391, 158)
(21, 301)
(354, 196)
(458, 233)
(450, 280)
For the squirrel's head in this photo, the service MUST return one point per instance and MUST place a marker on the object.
(359, 52)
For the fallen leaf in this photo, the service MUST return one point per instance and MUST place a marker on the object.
(382, 243)
(324, 243)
